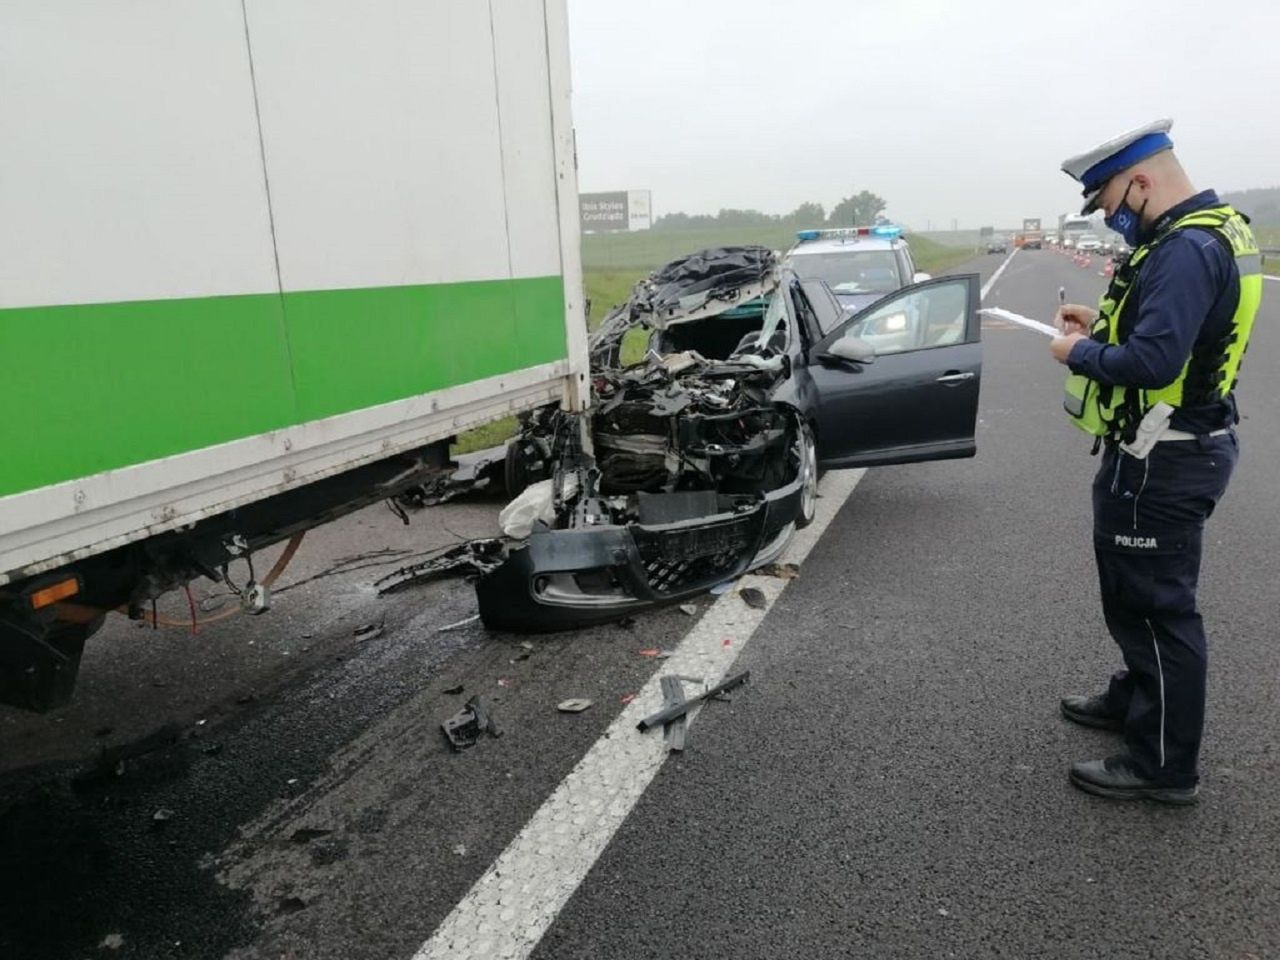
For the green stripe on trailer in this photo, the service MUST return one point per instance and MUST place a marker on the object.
(96, 387)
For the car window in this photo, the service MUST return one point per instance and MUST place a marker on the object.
(932, 316)
(908, 266)
(850, 271)
(825, 308)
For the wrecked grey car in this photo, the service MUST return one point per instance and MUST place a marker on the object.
(697, 463)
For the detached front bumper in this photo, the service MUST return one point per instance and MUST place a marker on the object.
(562, 579)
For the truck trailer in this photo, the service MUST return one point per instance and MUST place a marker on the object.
(259, 262)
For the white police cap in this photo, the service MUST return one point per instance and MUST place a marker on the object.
(1095, 167)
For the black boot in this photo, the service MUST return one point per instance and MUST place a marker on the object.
(1116, 779)
(1091, 712)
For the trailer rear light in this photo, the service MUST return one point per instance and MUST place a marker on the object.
(51, 594)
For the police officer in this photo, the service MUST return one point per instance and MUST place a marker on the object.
(1152, 378)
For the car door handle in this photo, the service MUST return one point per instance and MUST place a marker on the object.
(956, 376)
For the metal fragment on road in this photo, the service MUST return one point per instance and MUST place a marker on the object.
(307, 834)
(475, 557)
(370, 631)
(461, 623)
(669, 713)
(673, 696)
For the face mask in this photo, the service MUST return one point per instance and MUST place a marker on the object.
(1126, 221)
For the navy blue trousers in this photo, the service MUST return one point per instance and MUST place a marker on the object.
(1148, 521)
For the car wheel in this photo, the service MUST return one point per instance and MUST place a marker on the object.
(807, 454)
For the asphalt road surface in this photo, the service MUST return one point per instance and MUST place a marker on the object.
(891, 783)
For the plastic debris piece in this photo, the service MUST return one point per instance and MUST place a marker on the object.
(307, 834)
(690, 608)
(464, 728)
(370, 631)
(784, 571)
(535, 503)
(292, 904)
(727, 642)
(627, 698)
(754, 597)
(163, 815)
(112, 941)
(460, 849)
(524, 643)
(454, 691)
(504, 682)
(574, 705)
(650, 652)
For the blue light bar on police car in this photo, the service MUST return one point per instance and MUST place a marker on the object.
(883, 230)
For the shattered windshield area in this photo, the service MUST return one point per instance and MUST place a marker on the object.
(774, 330)
(854, 271)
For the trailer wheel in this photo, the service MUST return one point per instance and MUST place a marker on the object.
(525, 462)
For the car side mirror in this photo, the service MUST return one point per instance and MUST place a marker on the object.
(852, 349)
(921, 277)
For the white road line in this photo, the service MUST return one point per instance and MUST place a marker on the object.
(986, 287)
(509, 909)
(1270, 277)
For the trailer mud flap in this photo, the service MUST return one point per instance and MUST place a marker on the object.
(39, 662)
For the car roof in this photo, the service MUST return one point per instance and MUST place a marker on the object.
(846, 245)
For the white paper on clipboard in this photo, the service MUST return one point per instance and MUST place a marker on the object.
(999, 313)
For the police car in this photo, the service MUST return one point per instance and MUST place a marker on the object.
(859, 264)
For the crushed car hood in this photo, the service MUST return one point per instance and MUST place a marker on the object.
(692, 288)
(704, 284)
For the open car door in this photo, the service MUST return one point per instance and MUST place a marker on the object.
(898, 381)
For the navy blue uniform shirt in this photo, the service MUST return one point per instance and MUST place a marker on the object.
(1188, 290)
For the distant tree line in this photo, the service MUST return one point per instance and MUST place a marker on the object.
(861, 208)
(1262, 205)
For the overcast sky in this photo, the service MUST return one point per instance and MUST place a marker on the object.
(957, 110)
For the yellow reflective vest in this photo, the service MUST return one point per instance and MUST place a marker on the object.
(1212, 369)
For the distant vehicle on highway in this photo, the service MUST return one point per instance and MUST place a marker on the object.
(1088, 243)
(997, 245)
(1073, 228)
(860, 264)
